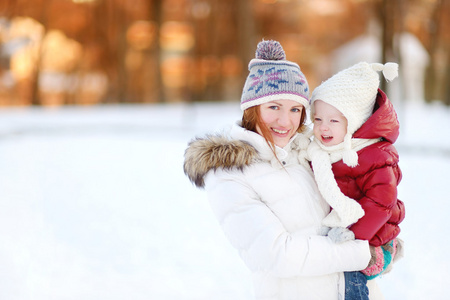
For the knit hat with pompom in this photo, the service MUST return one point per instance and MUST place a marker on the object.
(272, 77)
(353, 92)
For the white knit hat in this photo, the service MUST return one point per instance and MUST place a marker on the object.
(353, 92)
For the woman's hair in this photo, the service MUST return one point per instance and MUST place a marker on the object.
(252, 118)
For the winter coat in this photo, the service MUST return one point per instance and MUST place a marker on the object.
(373, 182)
(271, 211)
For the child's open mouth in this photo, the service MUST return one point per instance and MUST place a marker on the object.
(326, 138)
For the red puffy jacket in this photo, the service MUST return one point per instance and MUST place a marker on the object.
(373, 182)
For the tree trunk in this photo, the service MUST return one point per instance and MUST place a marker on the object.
(432, 80)
(156, 52)
(246, 28)
(388, 19)
(35, 99)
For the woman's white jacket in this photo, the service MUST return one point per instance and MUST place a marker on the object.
(270, 210)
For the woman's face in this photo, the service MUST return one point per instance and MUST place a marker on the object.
(330, 125)
(282, 119)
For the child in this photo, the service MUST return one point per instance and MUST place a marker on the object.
(353, 158)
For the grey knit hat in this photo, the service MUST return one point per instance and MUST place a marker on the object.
(272, 77)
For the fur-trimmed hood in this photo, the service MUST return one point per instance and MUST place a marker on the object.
(213, 152)
(238, 148)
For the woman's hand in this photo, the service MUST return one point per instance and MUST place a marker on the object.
(340, 234)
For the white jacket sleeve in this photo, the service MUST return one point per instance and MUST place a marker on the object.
(263, 242)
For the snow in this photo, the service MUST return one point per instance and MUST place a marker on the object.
(94, 204)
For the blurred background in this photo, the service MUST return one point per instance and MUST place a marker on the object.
(99, 99)
(81, 52)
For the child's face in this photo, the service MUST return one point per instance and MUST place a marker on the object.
(330, 125)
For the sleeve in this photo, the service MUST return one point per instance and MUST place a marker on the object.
(398, 214)
(379, 187)
(266, 246)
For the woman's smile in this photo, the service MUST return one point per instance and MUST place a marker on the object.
(280, 131)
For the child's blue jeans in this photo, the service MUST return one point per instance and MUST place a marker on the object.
(356, 286)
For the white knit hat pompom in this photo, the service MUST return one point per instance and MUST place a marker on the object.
(390, 70)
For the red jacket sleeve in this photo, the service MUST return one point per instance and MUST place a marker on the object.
(380, 197)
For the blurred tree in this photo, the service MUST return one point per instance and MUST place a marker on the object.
(389, 18)
(42, 18)
(156, 9)
(210, 42)
(436, 79)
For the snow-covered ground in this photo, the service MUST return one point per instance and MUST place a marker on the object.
(94, 205)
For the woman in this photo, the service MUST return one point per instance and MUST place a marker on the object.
(264, 196)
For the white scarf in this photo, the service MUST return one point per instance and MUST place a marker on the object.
(346, 211)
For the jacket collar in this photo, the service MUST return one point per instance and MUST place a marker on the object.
(383, 123)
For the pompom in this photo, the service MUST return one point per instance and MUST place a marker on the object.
(270, 50)
(390, 71)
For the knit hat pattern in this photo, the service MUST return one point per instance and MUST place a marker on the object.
(353, 92)
(272, 77)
